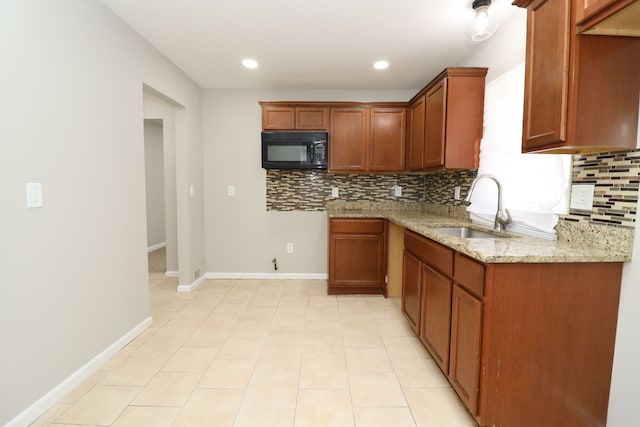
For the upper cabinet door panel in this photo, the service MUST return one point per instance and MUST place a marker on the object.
(415, 146)
(387, 137)
(348, 139)
(436, 123)
(311, 118)
(274, 118)
(547, 74)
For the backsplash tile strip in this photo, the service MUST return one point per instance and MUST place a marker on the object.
(616, 177)
(310, 190)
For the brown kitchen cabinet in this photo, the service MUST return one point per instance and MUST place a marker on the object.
(455, 96)
(357, 256)
(367, 139)
(411, 290)
(581, 91)
(415, 135)
(426, 298)
(291, 117)
(531, 344)
(348, 139)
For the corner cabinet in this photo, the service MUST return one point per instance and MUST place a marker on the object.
(581, 91)
(357, 256)
(436, 137)
(522, 344)
(367, 139)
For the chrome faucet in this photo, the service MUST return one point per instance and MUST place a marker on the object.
(502, 217)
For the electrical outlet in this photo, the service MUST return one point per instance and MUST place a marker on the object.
(456, 192)
(582, 196)
(335, 192)
(397, 191)
(289, 248)
(231, 190)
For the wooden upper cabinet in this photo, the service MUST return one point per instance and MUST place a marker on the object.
(387, 139)
(290, 117)
(278, 118)
(348, 139)
(436, 121)
(415, 137)
(581, 91)
(446, 121)
(367, 139)
(546, 76)
(311, 118)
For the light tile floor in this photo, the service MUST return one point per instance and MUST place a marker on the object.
(266, 353)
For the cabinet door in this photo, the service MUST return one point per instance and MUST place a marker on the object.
(356, 260)
(547, 74)
(415, 146)
(348, 139)
(411, 287)
(466, 330)
(311, 118)
(435, 125)
(435, 329)
(387, 139)
(278, 118)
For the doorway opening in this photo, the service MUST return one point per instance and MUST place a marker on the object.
(155, 195)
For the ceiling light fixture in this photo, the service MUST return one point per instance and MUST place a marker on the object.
(481, 28)
(381, 65)
(249, 63)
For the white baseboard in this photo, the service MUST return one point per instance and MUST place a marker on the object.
(42, 405)
(156, 247)
(192, 286)
(276, 276)
(171, 274)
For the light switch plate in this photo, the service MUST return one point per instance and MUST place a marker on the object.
(582, 196)
(34, 195)
(335, 192)
(231, 190)
(397, 191)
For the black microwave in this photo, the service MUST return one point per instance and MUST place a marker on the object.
(295, 150)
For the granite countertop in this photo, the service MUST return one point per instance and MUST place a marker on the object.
(516, 249)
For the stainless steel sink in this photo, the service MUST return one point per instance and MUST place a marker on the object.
(470, 233)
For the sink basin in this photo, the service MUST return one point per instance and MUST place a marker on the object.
(470, 233)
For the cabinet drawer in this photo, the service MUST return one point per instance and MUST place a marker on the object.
(429, 252)
(357, 226)
(469, 273)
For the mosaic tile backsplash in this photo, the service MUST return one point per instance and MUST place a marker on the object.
(616, 176)
(309, 190)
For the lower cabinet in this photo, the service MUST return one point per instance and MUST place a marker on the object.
(466, 333)
(357, 256)
(436, 315)
(522, 344)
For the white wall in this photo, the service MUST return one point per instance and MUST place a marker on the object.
(154, 182)
(241, 236)
(74, 272)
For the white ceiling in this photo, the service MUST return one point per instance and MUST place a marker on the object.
(308, 44)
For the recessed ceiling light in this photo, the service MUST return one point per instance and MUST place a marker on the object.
(381, 65)
(250, 63)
